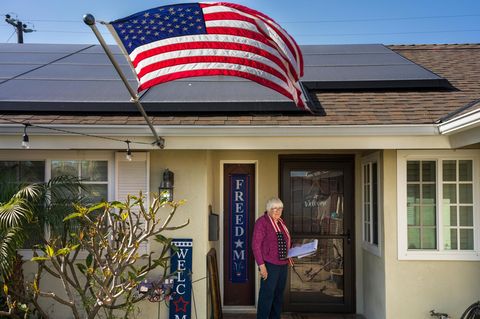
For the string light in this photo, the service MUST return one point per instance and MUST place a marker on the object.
(129, 152)
(26, 144)
(25, 139)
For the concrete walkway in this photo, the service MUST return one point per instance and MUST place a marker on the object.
(296, 316)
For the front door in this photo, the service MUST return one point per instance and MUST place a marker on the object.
(317, 192)
(239, 218)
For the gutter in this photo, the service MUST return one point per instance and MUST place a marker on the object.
(460, 123)
(223, 130)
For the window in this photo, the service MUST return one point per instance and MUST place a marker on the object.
(437, 205)
(21, 172)
(93, 175)
(370, 202)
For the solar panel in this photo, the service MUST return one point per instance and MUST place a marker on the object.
(370, 66)
(52, 77)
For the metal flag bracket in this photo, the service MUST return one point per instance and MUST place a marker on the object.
(89, 20)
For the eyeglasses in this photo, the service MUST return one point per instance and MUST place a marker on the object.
(277, 208)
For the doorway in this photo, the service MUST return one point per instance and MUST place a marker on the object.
(318, 196)
(239, 219)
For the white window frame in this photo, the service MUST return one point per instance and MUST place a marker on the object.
(368, 245)
(439, 253)
(48, 156)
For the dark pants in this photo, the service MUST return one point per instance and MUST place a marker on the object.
(270, 298)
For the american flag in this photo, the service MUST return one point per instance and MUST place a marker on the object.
(206, 39)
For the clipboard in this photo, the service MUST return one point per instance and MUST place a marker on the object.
(304, 250)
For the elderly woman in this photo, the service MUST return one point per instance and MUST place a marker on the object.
(270, 244)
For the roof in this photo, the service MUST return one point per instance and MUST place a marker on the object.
(371, 105)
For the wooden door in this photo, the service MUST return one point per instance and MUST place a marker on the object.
(319, 204)
(239, 219)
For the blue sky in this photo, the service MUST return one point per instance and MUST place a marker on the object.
(308, 21)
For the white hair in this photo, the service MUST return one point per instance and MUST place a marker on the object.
(273, 202)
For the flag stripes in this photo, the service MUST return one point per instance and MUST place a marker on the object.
(206, 39)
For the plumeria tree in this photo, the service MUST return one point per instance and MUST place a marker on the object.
(111, 235)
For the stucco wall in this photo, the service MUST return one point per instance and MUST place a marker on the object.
(413, 288)
(191, 174)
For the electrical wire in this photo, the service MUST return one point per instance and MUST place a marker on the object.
(11, 35)
(381, 19)
(384, 33)
(314, 21)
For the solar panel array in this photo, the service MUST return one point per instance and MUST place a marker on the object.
(80, 78)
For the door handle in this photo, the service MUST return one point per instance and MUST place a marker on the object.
(348, 236)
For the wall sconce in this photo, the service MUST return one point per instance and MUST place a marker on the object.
(165, 189)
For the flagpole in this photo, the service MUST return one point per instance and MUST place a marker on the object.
(90, 21)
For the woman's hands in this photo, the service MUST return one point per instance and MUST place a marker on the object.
(263, 271)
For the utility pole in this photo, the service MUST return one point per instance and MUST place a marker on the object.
(19, 26)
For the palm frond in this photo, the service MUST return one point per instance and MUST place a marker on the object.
(15, 213)
(10, 240)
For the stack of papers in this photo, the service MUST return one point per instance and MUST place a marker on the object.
(304, 250)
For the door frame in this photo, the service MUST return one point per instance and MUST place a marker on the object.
(221, 230)
(319, 158)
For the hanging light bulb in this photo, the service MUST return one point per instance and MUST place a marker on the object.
(129, 152)
(25, 139)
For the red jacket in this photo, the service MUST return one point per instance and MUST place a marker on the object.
(264, 242)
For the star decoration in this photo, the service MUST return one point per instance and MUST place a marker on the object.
(181, 304)
(238, 244)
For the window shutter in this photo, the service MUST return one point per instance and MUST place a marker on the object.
(131, 177)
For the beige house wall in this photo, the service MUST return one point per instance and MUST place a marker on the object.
(385, 286)
(413, 288)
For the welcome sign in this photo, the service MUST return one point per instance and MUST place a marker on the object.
(181, 262)
(239, 212)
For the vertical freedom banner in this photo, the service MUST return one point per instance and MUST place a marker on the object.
(181, 262)
(239, 212)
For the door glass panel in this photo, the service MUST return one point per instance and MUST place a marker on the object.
(317, 202)
(321, 273)
(316, 210)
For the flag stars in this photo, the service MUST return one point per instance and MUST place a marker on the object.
(142, 39)
(156, 34)
(146, 14)
(135, 21)
(144, 21)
